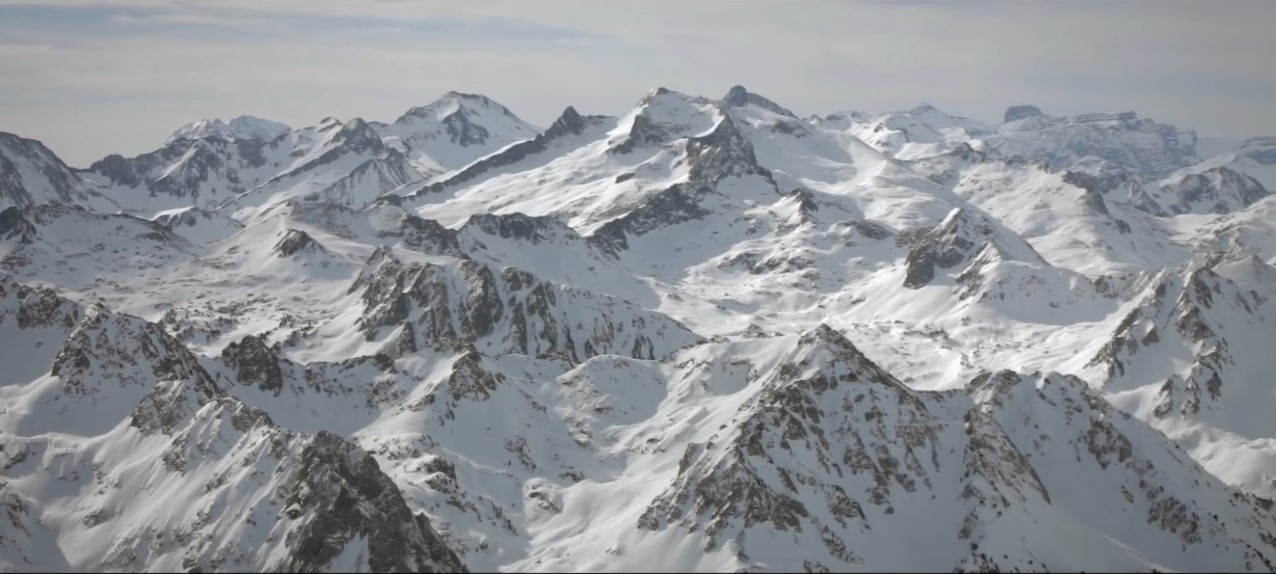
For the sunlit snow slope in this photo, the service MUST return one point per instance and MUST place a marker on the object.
(700, 334)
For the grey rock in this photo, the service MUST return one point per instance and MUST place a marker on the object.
(1019, 112)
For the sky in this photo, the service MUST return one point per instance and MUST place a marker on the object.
(93, 77)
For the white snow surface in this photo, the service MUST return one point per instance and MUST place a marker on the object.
(242, 127)
(698, 335)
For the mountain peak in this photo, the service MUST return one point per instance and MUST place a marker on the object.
(570, 121)
(653, 95)
(330, 123)
(1021, 111)
(738, 97)
(242, 127)
(295, 241)
(454, 103)
(455, 95)
(569, 115)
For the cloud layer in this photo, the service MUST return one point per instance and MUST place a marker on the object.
(89, 78)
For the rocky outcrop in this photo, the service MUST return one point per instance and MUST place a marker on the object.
(295, 241)
(1183, 307)
(370, 180)
(724, 152)
(1055, 418)
(1121, 141)
(188, 170)
(254, 364)
(14, 226)
(337, 493)
(738, 96)
(1216, 190)
(31, 174)
(671, 206)
(832, 455)
(960, 235)
(515, 226)
(505, 311)
(1014, 113)
(569, 124)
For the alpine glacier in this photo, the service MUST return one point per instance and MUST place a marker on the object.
(702, 334)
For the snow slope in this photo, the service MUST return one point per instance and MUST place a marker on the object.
(696, 335)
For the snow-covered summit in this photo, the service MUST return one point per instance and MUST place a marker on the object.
(242, 127)
(455, 130)
(1122, 140)
(30, 173)
(691, 334)
(739, 96)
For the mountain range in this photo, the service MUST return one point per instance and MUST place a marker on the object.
(703, 334)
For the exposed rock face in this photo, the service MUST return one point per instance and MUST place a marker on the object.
(388, 172)
(568, 125)
(722, 153)
(737, 96)
(514, 226)
(1121, 141)
(31, 174)
(337, 492)
(661, 118)
(36, 307)
(427, 236)
(1084, 424)
(296, 241)
(798, 429)
(213, 166)
(831, 450)
(255, 364)
(1019, 112)
(1183, 308)
(958, 237)
(505, 310)
(324, 502)
(504, 391)
(668, 207)
(186, 169)
(1216, 190)
(14, 226)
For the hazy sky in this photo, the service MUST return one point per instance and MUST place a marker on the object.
(94, 77)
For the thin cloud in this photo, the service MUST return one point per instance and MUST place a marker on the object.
(119, 76)
(195, 19)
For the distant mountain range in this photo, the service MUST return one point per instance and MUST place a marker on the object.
(704, 334)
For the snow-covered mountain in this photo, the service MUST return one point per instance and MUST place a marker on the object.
(31, 174)
(455, 130)
(707, 334)
(240, 128)
(1120, 141)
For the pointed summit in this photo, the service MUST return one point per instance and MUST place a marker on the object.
(569, 122)
(295, 241)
